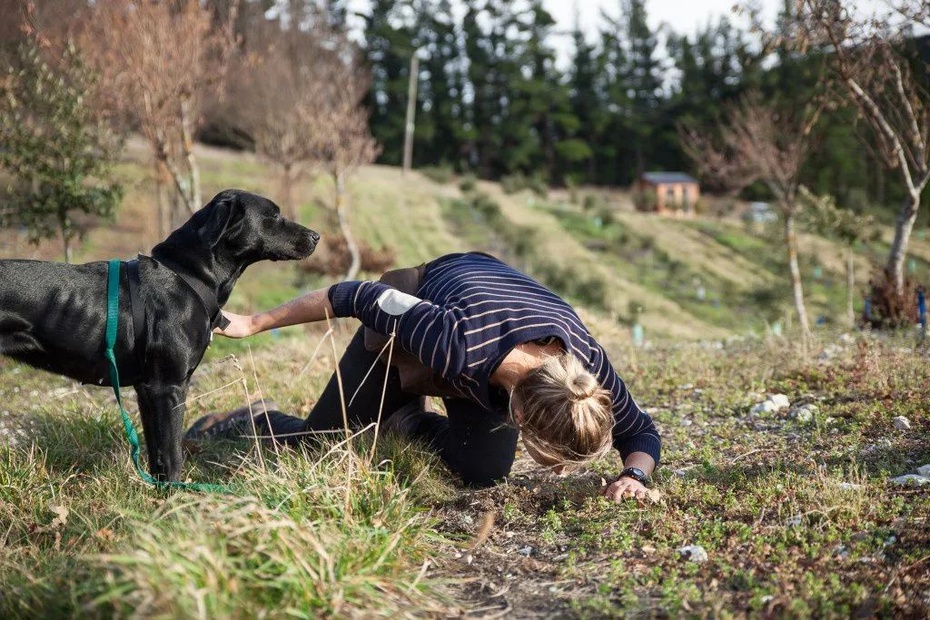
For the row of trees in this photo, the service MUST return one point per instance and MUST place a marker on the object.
(493, 98)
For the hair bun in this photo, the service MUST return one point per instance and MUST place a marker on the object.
(582, 386)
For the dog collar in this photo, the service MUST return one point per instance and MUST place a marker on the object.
(207, 298)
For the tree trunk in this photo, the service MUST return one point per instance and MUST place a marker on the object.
(287, 191)
(162, 177)
(65, 239)
(356, 262)
(192, 198)
(850, 287)
(902, 235)
(791, 243)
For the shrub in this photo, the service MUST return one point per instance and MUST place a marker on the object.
(538, 185)
(593, 202)
(468, 182)
(438, 174)
(590, 290)
(513, 183)
(645, 200)
(332, 257)
(887, 309)
(487, 207)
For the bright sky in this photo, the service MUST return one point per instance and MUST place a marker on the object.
(684, 16)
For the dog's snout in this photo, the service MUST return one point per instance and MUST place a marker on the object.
(315, 237)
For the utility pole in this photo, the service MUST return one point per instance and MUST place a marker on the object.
(411, 111)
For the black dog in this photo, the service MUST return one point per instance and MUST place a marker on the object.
(53, 315)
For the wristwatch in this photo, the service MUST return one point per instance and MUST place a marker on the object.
(635, 473)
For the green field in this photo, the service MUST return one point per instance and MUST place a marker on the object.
(797, 516)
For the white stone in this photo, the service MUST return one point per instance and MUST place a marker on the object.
(695, 553)
(901, 423)
(924, 470)
(794, 521)
(804, 413)
(849, 486)
(911, 479)
(780, 400)
(525, 551)
(764, 407)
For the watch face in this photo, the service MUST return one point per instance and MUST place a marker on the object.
(635, 473)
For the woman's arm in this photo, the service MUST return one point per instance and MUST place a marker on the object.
(635, 435)
(310, 307)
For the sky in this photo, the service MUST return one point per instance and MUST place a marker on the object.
(684, 16)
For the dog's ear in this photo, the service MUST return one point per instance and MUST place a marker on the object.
(219, 215)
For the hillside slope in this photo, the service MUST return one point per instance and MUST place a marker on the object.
(703, 278)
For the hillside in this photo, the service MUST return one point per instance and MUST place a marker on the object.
(701, 278)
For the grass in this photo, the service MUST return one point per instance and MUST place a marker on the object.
(798, 519)
(330, 531)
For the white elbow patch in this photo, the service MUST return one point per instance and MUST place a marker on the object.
(394, 302)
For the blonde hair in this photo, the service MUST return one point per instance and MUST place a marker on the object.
(566, 415)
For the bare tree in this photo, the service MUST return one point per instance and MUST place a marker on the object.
(761, 142)
(344, 140)
(157, 61)
(869, 61)
(277, 92)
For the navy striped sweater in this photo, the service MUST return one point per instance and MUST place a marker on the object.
(470, 311)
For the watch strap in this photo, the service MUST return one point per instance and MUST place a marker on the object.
(635, 473)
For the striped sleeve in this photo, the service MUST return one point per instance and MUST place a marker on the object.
(424, 329)
(633, 430)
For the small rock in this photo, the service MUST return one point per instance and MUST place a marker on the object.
(804, 413)
(695, 553)
(911, 479)
(773, 404)
(764, 407)
(849, 486)
(890, 541)
(686, 422)
(924, 470)
(781, 401)
(841, 552)
(526, 551)
(901, 423)
(794, 521)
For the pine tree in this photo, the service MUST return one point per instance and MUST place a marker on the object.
(439, 116)
(587, 106)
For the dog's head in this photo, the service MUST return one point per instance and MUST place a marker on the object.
(247, 228)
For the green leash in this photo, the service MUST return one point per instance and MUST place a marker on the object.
(132, 436)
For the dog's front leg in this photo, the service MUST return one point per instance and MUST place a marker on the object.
(162, 409)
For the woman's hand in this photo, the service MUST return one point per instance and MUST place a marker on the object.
(623, 488)
(240, 326)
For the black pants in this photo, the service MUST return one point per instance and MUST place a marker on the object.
(472, 441)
